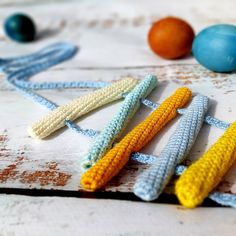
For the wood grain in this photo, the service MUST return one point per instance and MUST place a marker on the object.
(28, 216)
(28, 163)
(112, 38)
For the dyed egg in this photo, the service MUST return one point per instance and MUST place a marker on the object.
(20, 27)
(171, 38)
(215, 48)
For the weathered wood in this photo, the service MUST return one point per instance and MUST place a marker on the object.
(112, 37)
(27, 216)
(28, 163)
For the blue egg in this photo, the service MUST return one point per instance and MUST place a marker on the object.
(215, 48)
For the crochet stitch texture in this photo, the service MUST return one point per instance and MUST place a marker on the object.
(80, 106)
(136, 139)
(115, 127)
(152, 181)
(19, 70)
(205, 174)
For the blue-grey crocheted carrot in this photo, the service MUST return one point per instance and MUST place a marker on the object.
(151, 182)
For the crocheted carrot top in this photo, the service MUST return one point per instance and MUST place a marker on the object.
(117, 157)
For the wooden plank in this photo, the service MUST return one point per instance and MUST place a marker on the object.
(27, 216)
(111, 36)
(28, 163)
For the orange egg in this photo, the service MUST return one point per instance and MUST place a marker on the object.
(171, 38)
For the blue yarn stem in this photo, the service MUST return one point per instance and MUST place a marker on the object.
(208, 119)
(20, 69)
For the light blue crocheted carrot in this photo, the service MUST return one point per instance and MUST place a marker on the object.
(151, 182)
(114, 128)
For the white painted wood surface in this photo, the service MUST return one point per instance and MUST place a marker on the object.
(112, 38)
(39, 216)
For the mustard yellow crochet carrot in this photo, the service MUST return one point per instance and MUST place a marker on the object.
(205, 174)
(117, 157)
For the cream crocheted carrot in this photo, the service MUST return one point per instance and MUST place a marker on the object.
(80, 106)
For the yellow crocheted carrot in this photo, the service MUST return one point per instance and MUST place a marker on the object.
(117, 157)
(205, 174)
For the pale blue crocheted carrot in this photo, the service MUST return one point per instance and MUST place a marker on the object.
(151, 182)
(114, 128)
